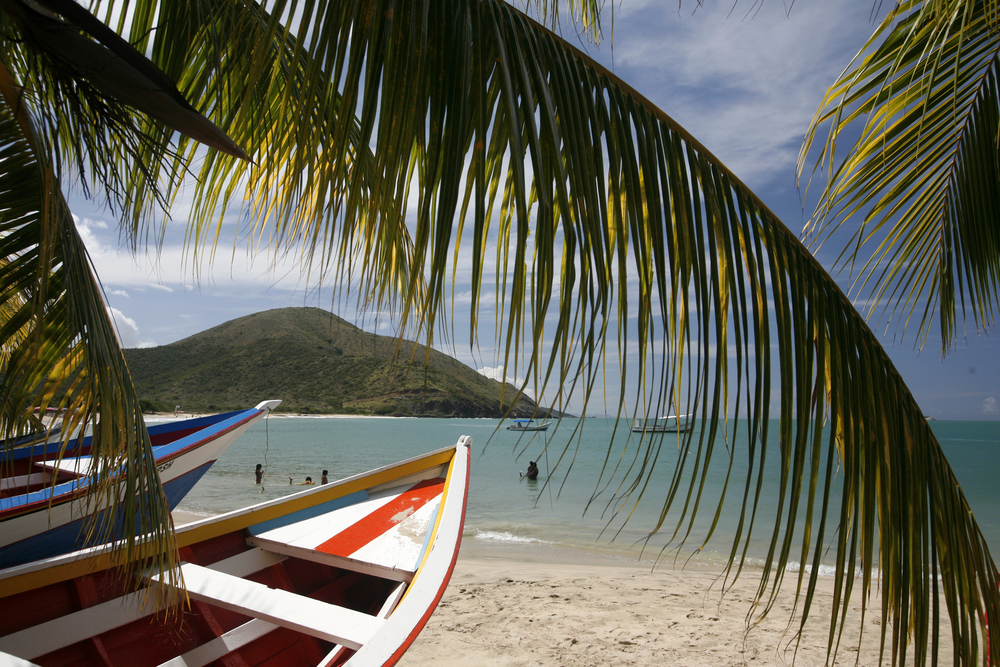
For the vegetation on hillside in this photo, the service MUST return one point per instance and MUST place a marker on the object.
(316, 363)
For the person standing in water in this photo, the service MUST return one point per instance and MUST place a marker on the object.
(259, 472)
(323, 479)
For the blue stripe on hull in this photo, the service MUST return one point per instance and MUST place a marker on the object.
(176, 489)
(67, 538)
(308, 513)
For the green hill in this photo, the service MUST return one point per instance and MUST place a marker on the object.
(316, 363)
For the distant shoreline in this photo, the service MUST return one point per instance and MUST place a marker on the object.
(169, 416)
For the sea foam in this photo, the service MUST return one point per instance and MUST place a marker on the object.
(504, 536)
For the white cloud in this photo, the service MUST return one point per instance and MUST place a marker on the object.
(85, 228)
(496, 373)
(990, 406)
(174, 268)
(86, 224)
(128, 330)
(120, 292)
(745, 85)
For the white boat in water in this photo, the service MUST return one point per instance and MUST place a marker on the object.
(528, 425)
(668, 424)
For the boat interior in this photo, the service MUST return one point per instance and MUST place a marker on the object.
(254, 596)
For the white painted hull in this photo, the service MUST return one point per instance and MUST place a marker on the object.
(32, 527)
(346, 573)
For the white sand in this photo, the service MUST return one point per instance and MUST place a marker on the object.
(181, 517)
(511, 614)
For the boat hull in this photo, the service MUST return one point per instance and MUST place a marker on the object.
(50, 521)
(525, 426)
(341, 574)
(662, 429)
(670, 424)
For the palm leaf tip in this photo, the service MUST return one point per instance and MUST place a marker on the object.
(62, 31)
(916, 189)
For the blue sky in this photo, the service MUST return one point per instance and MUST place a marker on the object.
(745, 81)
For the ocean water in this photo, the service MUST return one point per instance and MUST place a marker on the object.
(588, 504)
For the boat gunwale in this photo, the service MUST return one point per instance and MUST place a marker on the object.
(20, 505)
(416, 595)
(47, 450)
(53, 570)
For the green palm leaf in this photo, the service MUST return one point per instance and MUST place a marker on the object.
(60, 349)
(392, 140)
(923, 175)
(610, 223)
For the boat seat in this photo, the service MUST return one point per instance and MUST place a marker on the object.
(78, 466)
(342, 562)
(24, 481)
(382, 534)
(255, 629)
(313, 617)
(9, 660)
(38, 640)
(222, 645)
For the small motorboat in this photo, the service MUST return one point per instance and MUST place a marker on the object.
(528, 425)
(342, 574)
(668, 424)
(43, 495)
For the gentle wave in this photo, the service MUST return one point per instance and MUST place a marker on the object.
(509, 538)
(824, 570)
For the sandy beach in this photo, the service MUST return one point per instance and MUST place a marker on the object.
(513, 613)
(516, 613)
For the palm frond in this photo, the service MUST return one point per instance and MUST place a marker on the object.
(584, 15)
(60, 350)
(395, 139)
(65, 32)
(611, 226)
(922, 177)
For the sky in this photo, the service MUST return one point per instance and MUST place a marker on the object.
(744, 79)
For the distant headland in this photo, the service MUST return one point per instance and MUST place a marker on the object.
(317, 363)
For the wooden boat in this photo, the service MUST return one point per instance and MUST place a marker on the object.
(347, 573)
(42, 496)
(528, 425)
(668, 424)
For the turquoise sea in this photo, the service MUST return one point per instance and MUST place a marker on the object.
(568, 519)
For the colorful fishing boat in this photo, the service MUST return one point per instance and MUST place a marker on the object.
(528, 425)
(346, 573)
(668, 424)
(43, 496)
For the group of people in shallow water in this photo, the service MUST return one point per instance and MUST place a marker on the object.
(259, 474)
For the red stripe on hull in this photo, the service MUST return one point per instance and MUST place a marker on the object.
(394, 658)
(349, 540)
